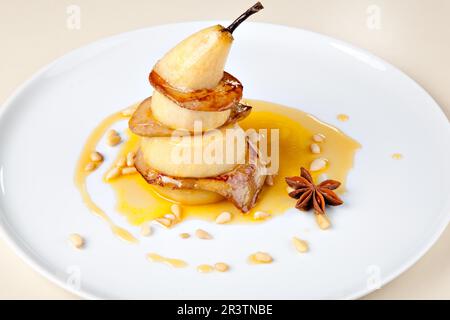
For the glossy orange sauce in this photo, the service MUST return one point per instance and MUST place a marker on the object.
(205, 268)
(175, 263)
(81, 176)
(343, 117)
(139, 202)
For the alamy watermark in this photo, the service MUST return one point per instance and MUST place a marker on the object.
(373, 21)
(230, 146)
(73, 280)
(374, 277)
(73, 21)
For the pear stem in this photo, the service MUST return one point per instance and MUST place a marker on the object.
(254, 9)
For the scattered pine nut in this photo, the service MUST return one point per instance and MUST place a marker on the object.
(322, 221)
(261, 257)
(146, 230)
(202, 234)
(318, 164)
(121, 162)
(91, 166)
(113, 138)
(76, 240)
(221, 267)
(184, 235)
(205, 268)
(259, 215)
(315, 148)
(224, 217)
(164, 222)
(130, 159)
(128, 170)
(96, 156)
(300, 245)
(397, 156)
(318, 137)
(176, 210)
(112, 174)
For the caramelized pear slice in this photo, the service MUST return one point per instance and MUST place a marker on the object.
(241, 186)
(144, 124)
(238, 113)
(224, 96)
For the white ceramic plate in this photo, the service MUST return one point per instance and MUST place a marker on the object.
(394, 211)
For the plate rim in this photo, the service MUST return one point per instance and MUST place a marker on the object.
(35, 264)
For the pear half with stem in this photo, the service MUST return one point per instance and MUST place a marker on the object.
(198, 61)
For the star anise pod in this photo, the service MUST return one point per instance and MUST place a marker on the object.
(310, 195)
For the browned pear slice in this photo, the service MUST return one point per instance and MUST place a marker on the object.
(226, 94)
(143, 123)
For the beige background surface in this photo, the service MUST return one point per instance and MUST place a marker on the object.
(413, 35)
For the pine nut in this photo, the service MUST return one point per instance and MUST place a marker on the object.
(261, 215)
(300, 245)
(96, 156)
(205, 268)
(112, 174)
(318, 137)
(113, 138)
(315, 148)
(164, 222)
(128, 170)
(130, 159)
(91, 166)
(146, 230)
(76, 240)
(202, 234)
(318, 164)
(221, 267)
(184, 235)
(262, 257)
(176, 210)
(322, 221)
(121, 162)
(224, 217)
